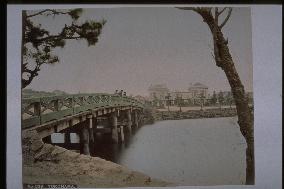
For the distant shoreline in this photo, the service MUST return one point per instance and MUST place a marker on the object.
(157, 115)
(196, 114)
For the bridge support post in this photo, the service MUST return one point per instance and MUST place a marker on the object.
(135, 119)
(140, 119)
(84, 140)
(91, 133)
(114, 131)
(129, 121)
(94, 121)
(67, 139)
(121, 134)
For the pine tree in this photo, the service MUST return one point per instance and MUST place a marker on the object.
(38, 43)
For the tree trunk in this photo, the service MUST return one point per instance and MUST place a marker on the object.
(245, 117)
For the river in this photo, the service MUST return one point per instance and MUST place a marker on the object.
(186, 152)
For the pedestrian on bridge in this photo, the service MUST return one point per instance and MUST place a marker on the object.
(120, 93)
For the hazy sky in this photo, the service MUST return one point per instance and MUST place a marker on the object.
(143, 46)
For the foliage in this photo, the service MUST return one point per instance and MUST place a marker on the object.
(221, 97)
(38, 43)
(214, 98)
(229, 99)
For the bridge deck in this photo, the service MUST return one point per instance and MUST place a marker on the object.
(47, 110)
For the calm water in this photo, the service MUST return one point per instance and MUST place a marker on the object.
(189, 152)
(186, 152)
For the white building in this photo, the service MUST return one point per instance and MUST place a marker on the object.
(198, 90)
(158, 94)
(159, 91)
(195, 94)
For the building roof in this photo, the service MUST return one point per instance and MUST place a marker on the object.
(198, 85)
(158, 87)
(182, 92)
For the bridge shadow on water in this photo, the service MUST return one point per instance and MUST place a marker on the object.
(108, 150)
(103, 146)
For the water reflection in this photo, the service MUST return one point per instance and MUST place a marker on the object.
(106, 149)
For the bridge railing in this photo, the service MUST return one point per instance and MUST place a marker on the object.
(39, 110)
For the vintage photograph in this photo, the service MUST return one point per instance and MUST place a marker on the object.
(137, 97)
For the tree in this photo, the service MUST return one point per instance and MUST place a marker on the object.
(168, 100)
(229, 99)
(178, 101)
(223, 59)
(214, 98)
(202, 101)
(220, 98)
(38, 43)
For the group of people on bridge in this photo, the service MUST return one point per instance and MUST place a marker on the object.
(120, 93)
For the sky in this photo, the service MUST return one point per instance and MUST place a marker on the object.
(143, 46)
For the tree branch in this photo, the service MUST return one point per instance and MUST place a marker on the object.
(216, 15)
(56, 37)
(47, 10)
(227, 18)
(43, 42)
(219, 13)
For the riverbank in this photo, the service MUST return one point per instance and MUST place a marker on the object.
(195, 114)
(152, 115)
(50, 164)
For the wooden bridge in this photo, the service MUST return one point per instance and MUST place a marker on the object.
(80, 114)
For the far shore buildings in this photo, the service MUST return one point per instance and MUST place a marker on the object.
(195, 91)
(160, 95)
(159, 91)
(196, 94)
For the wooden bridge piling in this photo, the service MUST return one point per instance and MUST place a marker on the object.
(67, 139)
(91, 133)
(114, 132)
(84, 140)
(95, 123)
(135, 120)
(129, 121)
(121, 134)
(91, 130)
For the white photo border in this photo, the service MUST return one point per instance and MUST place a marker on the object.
(267, 82)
